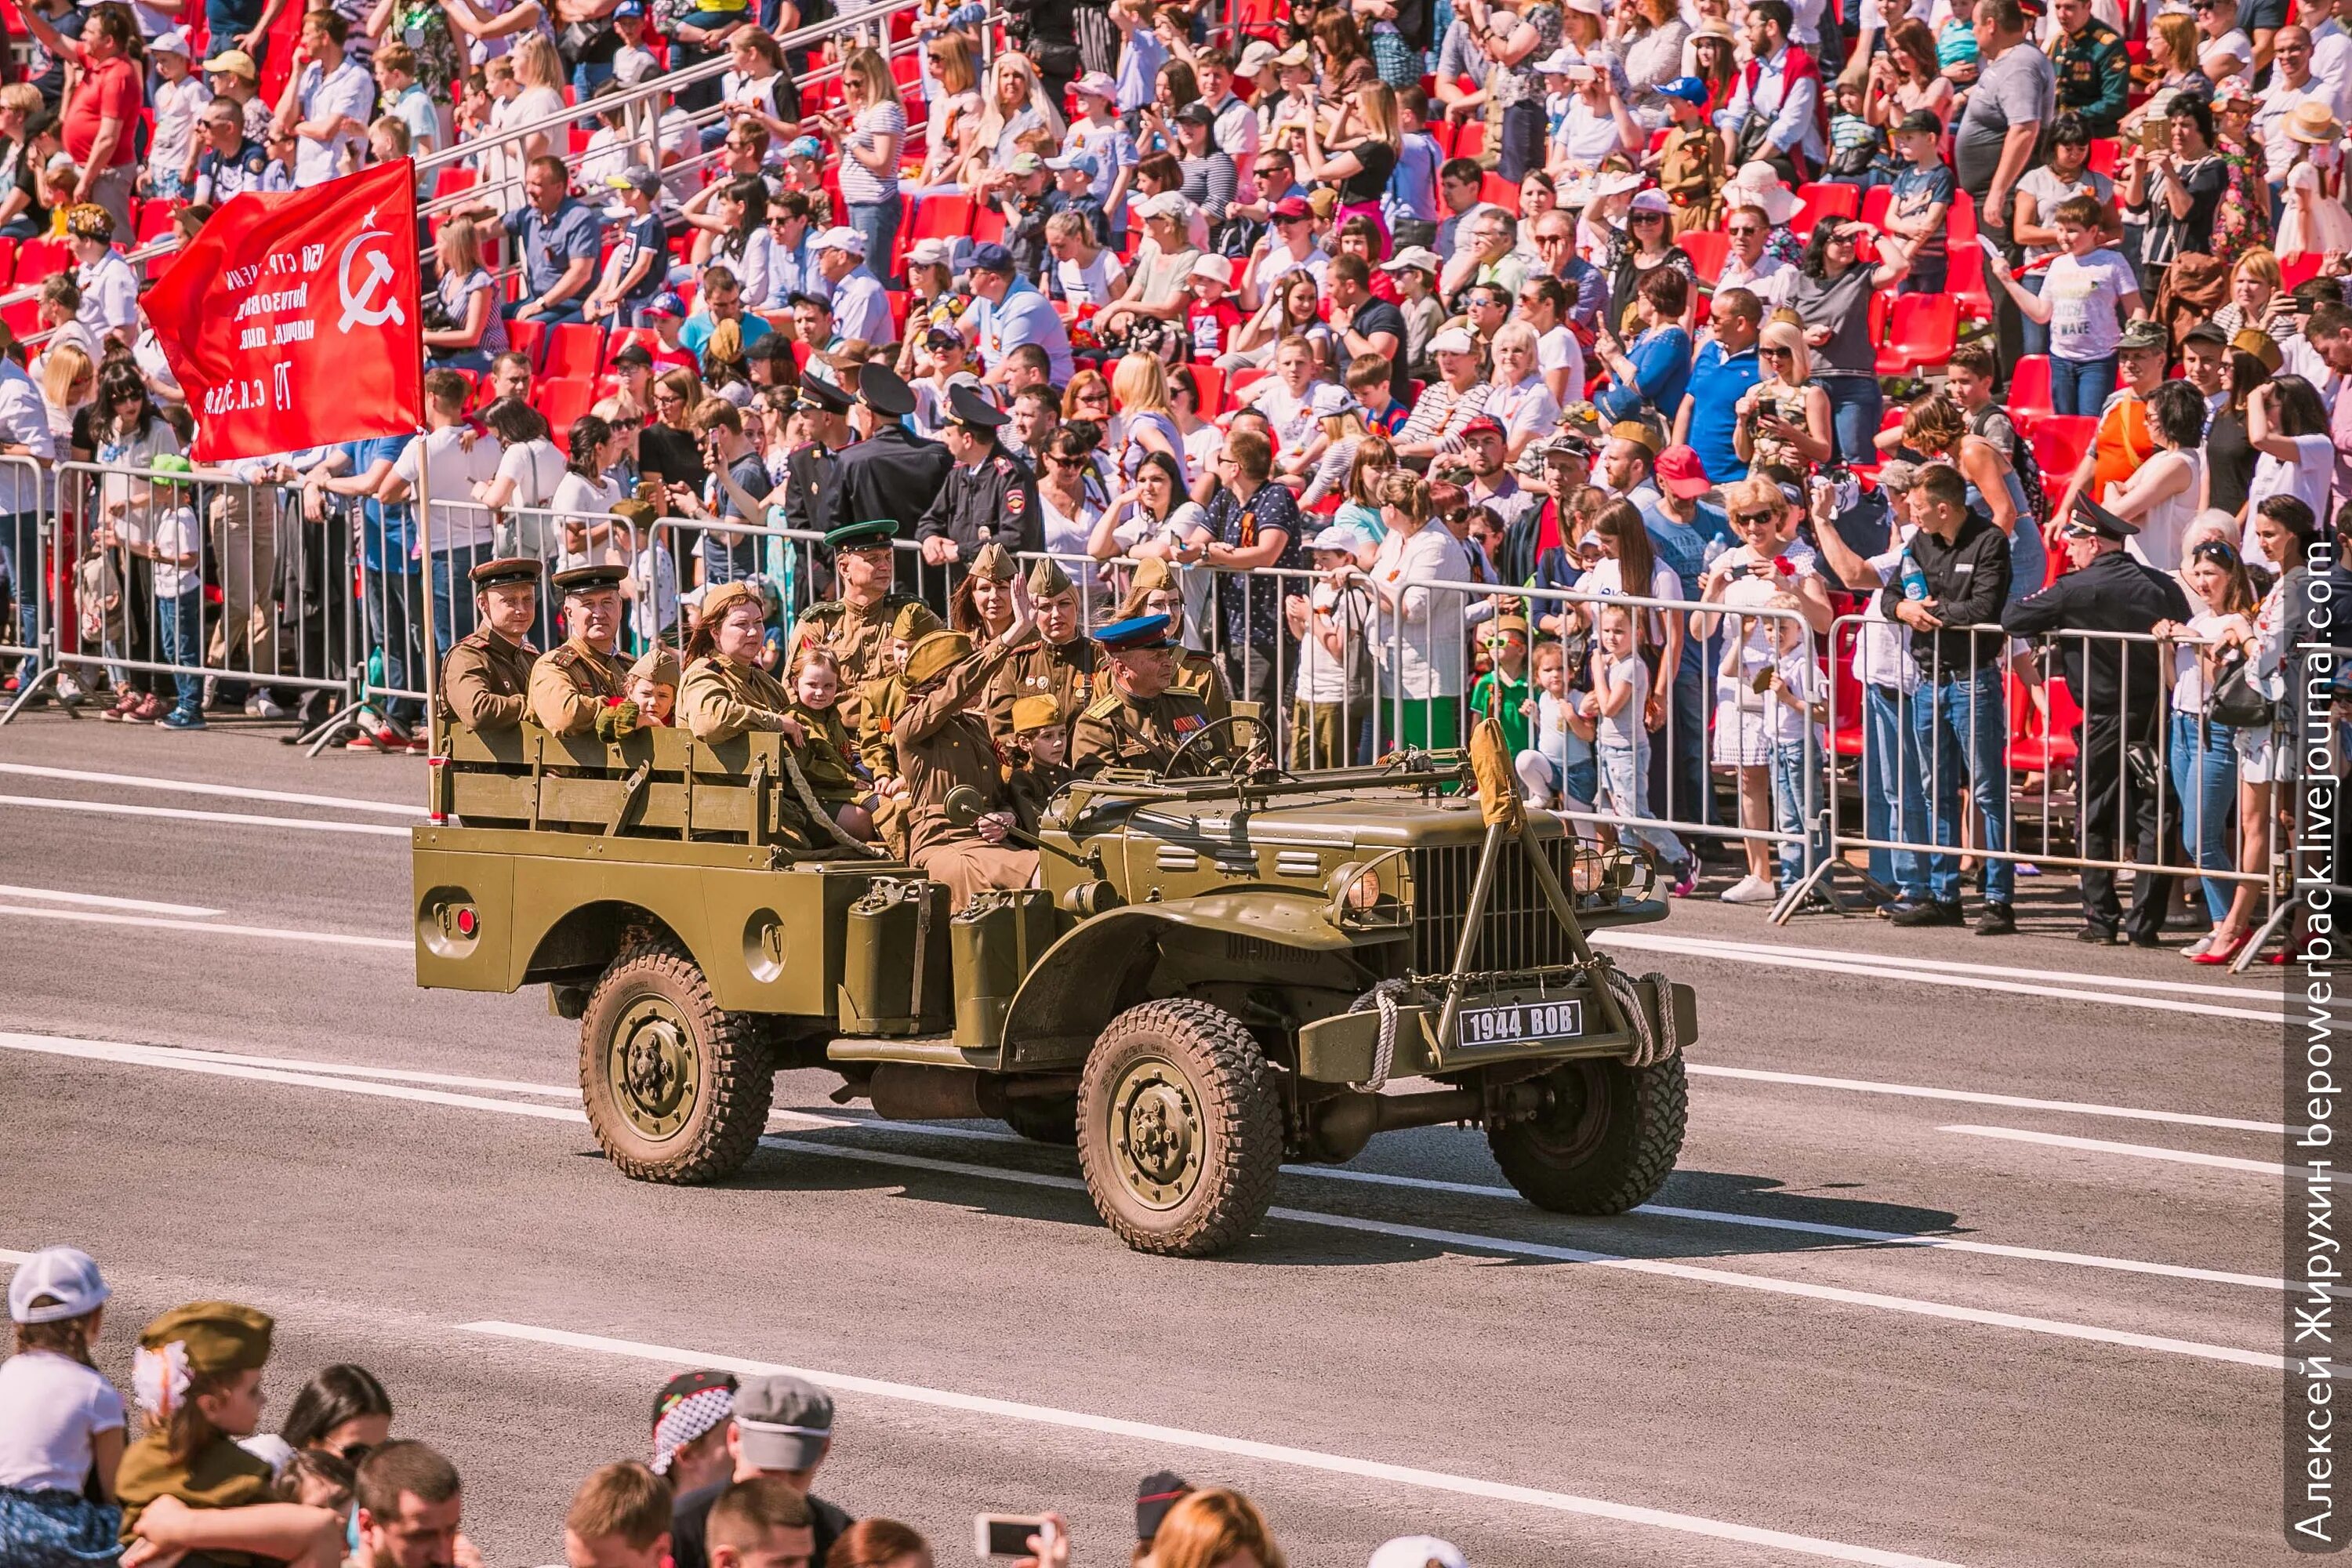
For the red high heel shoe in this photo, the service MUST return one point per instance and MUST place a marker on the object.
(2222, 952)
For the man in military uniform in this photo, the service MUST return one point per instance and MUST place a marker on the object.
(989, 496)
(1141, 717)
(485, 679)
(2122, 694)
(2093, 67)
(853, 625)
(569, 683)
(881, 700)
(889, 472)
(809, 471)
(1061, 666)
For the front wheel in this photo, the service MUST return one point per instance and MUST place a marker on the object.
(677, 1088)
(1180, 1133)
(1606, 1142)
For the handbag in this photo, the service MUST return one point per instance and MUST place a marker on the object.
(2235, 702)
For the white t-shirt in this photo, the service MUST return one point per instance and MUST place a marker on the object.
(2086, 294)
(1802, 678)
(458, 521)
(1095, 283)
(1623, 729)
(2188, 673)
(1322, 675)
(1291, 418)
(51, 1407)
(176, 537)
(177, 104)
(1559, 350)
(2306, 478)
(2165, 524)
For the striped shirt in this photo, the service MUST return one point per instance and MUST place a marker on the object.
(1440, 412)
(860, 185)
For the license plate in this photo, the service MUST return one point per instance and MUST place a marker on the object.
(1519, 1023)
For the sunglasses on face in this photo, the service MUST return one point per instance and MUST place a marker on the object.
(1752, 519)
(1749, 233)
(1649, 217)
(1778, 353)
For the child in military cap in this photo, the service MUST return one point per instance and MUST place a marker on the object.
(1034, 766)
(825, 758)
(653, 686)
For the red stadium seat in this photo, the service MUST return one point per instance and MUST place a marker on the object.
(564, 399)
(573, 349)
(2035, 744)
(1875, 203)
(2059, 443)
(1494, 188)
(1211, 383)
(7, 259)
(528, 338)
(1960, 224)
(1965, 281)
(2029, 391)
(453, 178)
(1242, 382)
(22, 317)
(38, 258)
(1822, 201)
(941, 218)
(902, 301)
(155, 220)
(1471, 141)
(2107, 155)
(1707, 248)
(1921, 334)
(988, 228)
(622, 338)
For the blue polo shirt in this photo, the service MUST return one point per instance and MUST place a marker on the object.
(1717, 381)
(548, 245)
(1022, 316)
(387, 533)
(1662, 370)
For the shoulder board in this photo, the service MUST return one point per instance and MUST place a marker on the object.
(562, 657)
(1106, 705)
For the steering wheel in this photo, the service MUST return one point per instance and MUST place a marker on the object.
(1184, 764)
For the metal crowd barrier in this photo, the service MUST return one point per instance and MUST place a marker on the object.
(25, 640)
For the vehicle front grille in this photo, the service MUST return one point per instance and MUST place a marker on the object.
(1519, 930)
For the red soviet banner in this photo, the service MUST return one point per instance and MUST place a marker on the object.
(291, 320)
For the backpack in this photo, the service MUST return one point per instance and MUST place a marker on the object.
(2021, 458)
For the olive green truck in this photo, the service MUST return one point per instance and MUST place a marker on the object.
(1216, 973)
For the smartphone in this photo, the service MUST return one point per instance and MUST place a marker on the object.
(1005, 1534)
(2155, 135)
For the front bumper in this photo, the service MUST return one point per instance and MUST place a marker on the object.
(1341, 1048)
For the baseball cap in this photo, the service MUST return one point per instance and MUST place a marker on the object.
(1558, 62)
(1291, 207)
(1413, 255)
(632, 354)
(1218, 268)
(235, 62)
(1259, 55)
(1484, 424)
(2142, 334)
(990, 258)
(1025, 164)
(1691, 90)
(1452, 340)
(1418, 1551)
(1158, 1492)
(929, 253)
(1344, 536)
(2206, 332)
(942, 336)
(635, 178)
(1097, 84)
(1920, 122)
(841, 237)
(628, 8)
(1682, 474)
(1324, 400)
(1196, 114)
(68, 1273)
(1077, 158)
(1167, 204)
(805, 147)
(172, 42)
(782, 1423)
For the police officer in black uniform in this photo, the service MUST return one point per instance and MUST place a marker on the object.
(2121, 689)
(890, 473)
(990, 497)
(809, 471)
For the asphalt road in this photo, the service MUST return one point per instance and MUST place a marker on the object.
(223, 1082)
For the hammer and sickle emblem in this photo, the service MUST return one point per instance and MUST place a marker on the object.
(357, 309)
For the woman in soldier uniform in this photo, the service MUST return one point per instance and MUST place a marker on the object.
(943, 745)
(981, 605)
(726, 692)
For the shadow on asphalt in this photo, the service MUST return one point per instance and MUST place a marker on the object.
(1502, 1219)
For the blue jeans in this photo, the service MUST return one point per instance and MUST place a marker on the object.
(1894, 803)
(587, 78)
(1622, 770)
(453, 593)
(225, 24)
(2037, 335)
(1927, 277)
(2205, 785)
(878, 222)
(475, 359)
(1679, 768)
(1856, 408)
(1961, 724)
(2081, 386)
(179, 639)
(1795, 771)
(393, 601)
(553, 316)
(20, 535)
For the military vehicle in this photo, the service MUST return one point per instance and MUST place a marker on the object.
(1220, 970)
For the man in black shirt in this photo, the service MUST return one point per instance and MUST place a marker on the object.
(1958, 567)
(2121, 689)
(781, 1426)
(1366, 323)
(890, 473)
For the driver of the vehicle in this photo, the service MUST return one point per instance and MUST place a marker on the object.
(1143, 716)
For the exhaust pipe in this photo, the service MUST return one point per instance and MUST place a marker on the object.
(903, 1091)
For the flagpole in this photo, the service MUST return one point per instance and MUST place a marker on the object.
(432, 626)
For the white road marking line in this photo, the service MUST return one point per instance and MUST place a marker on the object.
(1979, 1097)
(230, 818)
(100, 900)
(2138, 1151)
(144, 1055)
(1786, 959)
(1511, 1246)
(170, 1055)
(232, 792)
(1208, 1442)
(1642, 936)
(211, 927)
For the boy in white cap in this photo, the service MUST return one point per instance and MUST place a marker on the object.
(60, 1420)
(180, 96)
(1212, 318)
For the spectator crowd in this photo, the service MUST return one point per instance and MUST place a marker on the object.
(729, 1477)
(1880, 359)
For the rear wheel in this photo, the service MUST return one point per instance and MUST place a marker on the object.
(1607, 1141)
(677, 1088)
(1180, 1133)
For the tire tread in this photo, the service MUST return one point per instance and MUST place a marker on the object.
(739, 1082)
(1616, 1178)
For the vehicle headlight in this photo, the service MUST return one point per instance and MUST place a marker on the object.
(1355, 887)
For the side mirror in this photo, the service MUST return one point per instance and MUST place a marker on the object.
(963, 806)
